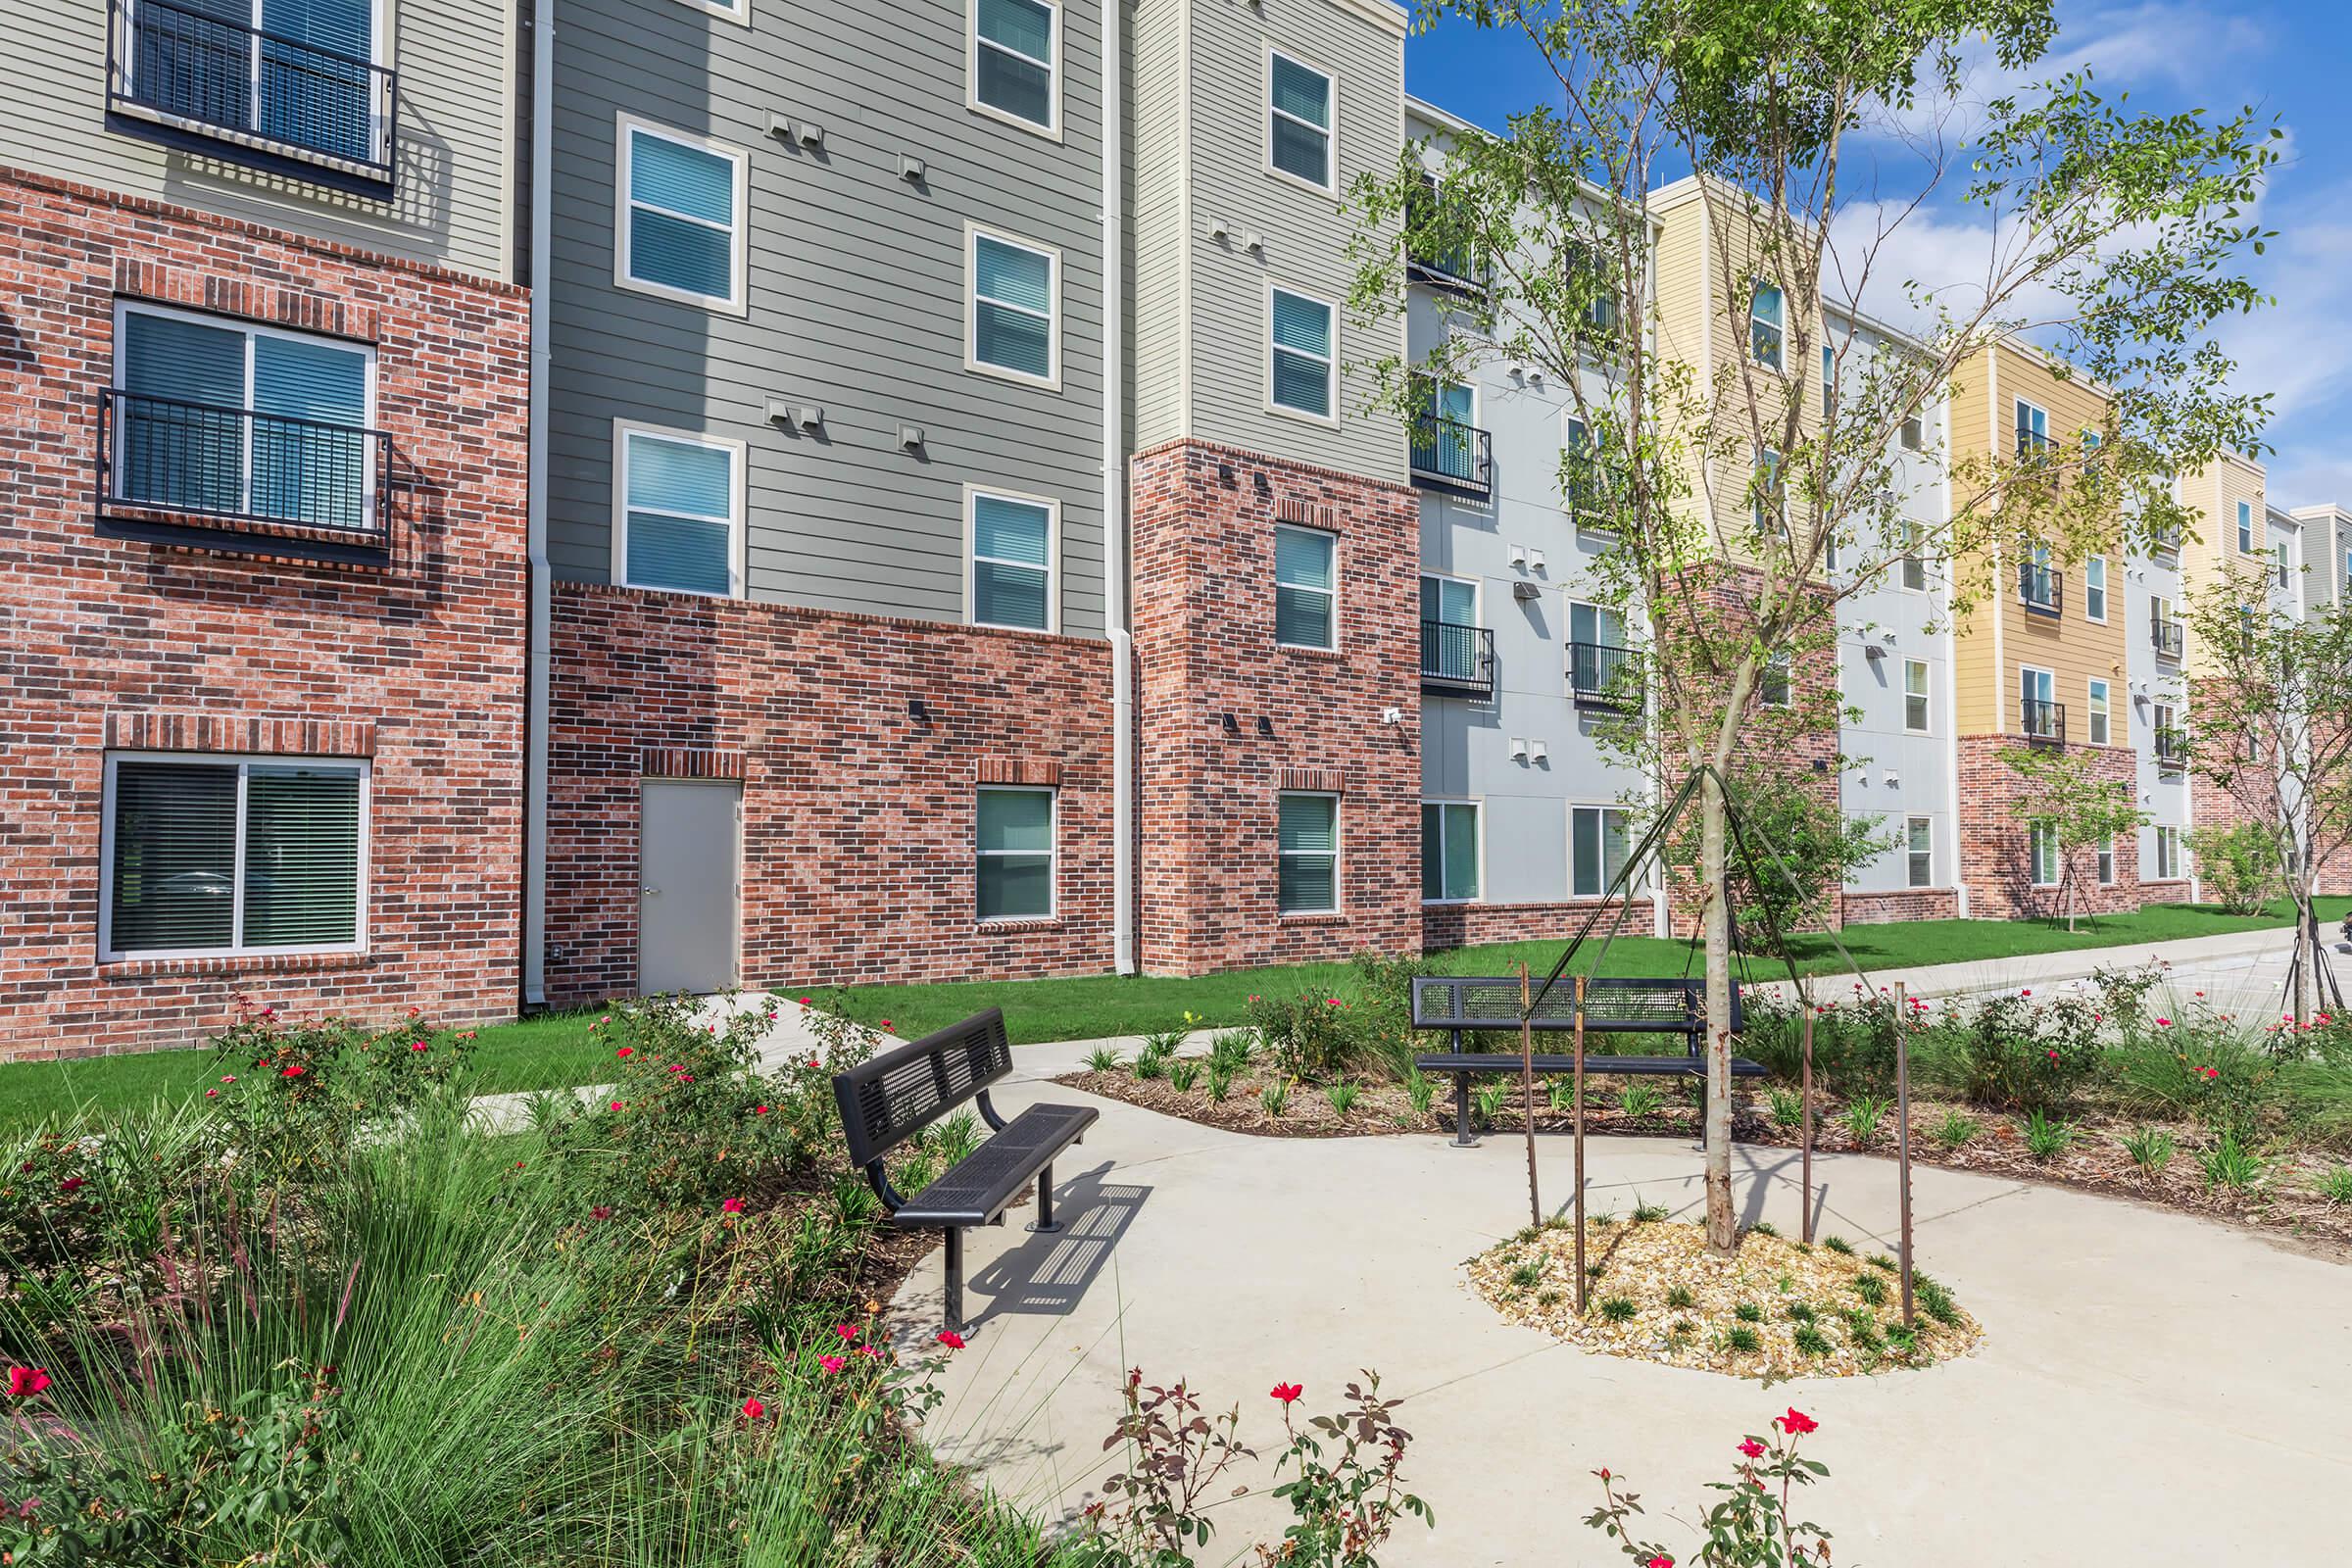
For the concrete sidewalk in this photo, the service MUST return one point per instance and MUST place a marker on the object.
(2153, 1389)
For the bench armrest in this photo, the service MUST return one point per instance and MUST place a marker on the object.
(988, 1111)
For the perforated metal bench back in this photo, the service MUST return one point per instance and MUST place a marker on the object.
(889, 1100)
(1613, 1004)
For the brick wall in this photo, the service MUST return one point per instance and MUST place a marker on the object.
(1996, 853)
(1461, 925)
(1204, 568)
(861, 742)
(1902, 904)
(416, 663)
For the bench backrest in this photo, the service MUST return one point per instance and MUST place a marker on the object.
(1617, 1004)
(898, 1093)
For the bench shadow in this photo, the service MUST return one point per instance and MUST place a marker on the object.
(1046, 1276)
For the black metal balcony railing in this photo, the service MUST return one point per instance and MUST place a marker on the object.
(208, 466)
(2165, 538)
(1454, 456)
(2043, 588)
(1457, 660)
(1454, 272)
(2043, 721)
(2172, 749)
(2168, 638)
(1604, 675)
(2034, 448)
(182, 64)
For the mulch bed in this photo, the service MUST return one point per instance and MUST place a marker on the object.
(2283, 1204)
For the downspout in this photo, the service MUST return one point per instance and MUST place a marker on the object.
(1114, 497)
(534, 790)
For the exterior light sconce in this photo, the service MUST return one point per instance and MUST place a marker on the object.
(1233, 725)
(1873, 651)
(1524, 590)
(1265, 727)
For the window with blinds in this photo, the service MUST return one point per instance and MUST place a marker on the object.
(1298, 120)
(1305, 587)
(1300, 360)
(1012, 574)
(682, 227)
(1016, 853)
(1014, 287)
(677, 511)
(213, 855)
(1015, 49)
(1309, 832)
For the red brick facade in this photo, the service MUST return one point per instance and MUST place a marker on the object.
(1996, 852)
(1458, 925)
(415, 662)
(1901, 904)
(1228, 719)
(861, 742)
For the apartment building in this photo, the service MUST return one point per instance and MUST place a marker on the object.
(262, 520)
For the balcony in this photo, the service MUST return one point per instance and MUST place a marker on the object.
(1452, 455)
(2043, 589)
(1454, 273)
(2032, 448)
(2165, 539)
(1457, 660)
(165, 461)
(2043, 723)
(2169, 637)
(1603, 675)
(180, 65)
(2172, 749)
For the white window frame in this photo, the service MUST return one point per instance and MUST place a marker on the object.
(1633, 882)
(738, 12)
(1331, 364)
(2098, 710)
(1779, 362)
(737, 488)
(1052, 852)
(2103, 861)
(1339, 851)
(1585, 521)
(1479, 817)
(1274, 578)
(2245, 529)
(379, 30)
(1913, 434)
(973, 234)
(1051, 130)
(625, 126)
(2099, 588)
(1785, 668)
(1478, 604)
(1925, 694)
(1330, 186)
(2027, 406)
(1911, 562)
(2034, 833)
(1768, 461)
(2023, 671)
(2168, 852)
(1911, 854)
(124, 308)
(243, 762)
(972, 495)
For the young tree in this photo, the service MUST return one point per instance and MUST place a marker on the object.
(1805, 849)
(2063, 795)
(2117, 233)
(2270, 704)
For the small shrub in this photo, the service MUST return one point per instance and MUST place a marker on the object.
(1862, 1331)
(1764, 1227)
(1810, 1340)
(1640, 1099)
(1527, 1274)
(1420, 1091)
(2151, 1150)
(1748, 1313)
(1800, 1311)
(955, 1138)
(1220, 1082)
(1313, 1037)
(1163, 1044)
(1681, 1329)
(2022, 1055)
(1342, 1096)
(1275, 1096)
(2046, 1138)
(2238, 865)
(1885, 1264)
(1489, 1098)
(1649, 1213)
(1788, 1109)
(1956, 1129)
(1861, 1118)
(1934, 1301)
(1561, 1094)
(2336, 1185)
(1183, 1072)
(1617, 1309)
(1104, 1059)
(1871, 1288)
(1150, 1066)
(1838, 1244)
(1232, 1048)
(1678, 1297)
(2231, 1164)
(1902, 1340)
(1743, 1339)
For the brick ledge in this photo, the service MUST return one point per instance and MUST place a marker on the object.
(232, 963)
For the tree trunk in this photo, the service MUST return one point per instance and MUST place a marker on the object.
(2309, 946)
(1715, 905)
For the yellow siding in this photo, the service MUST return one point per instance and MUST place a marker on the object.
(2213, 497)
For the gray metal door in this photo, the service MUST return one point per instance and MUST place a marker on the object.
(688, 853)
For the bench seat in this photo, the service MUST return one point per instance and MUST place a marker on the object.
(977, 1189)
(1684, 1065)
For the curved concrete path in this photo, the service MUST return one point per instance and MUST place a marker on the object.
(2154, 1388)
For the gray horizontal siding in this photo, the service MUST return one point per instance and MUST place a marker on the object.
(450, 204)
(856, 295)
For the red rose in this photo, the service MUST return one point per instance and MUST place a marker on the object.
(952, 1339)
(752, 1409)
(1287, 1393)
(1796, 1423)
(24, 1382)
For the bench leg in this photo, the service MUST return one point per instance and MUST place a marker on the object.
(955, 1307)
(1462, 1138)
(1045, 1224)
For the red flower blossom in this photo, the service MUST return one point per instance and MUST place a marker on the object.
(952, 1339)
(759, 1110)
(1796, 1423)
(804, 1001)
(212, 1094)
(626, 1050)
(70, 1183)
(2164, 1023)
(601, 1211)
(24, 1382)
(2025, 993)
(1287, 1393)
(846, 1332)
(872, 1352)
(831, 1363)
(2210, 1072)
(294, 1070)
(752, 1409)
(419, 1045)
(1661, 1560)
(733, 1205)
(886, 1025)
(1752, 1448)
(2053, 1056)
(617, 1104)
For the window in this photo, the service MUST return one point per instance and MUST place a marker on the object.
(1298, 120)
(1771, 682)
(2033, 430)
(231, 420)
(1015, 58)
(2098, 711)
(1591, 272)
(1448, 851)
(2041, 849)
(2167, 854)
(1599, 843)
(681, 204)
(1306, 584)
(1765, 307)
(1600, 662)
(1308, 830)
(2106, 860)
(2094, 587)
(2245, 529)
(2038, 704)
(1919, 852)
(209, 854)
(677, 501)
(298, 76)
(1012, 560)
(1915, 696)
(1016, 292)
(1828, 382)
(1587, 483)
(1767, 498)
(1915, 434)
(1450, 644)
(1914, 572)
(1445, 442)
(1300, 354)
(1016, 853)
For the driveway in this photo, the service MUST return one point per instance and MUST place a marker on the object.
(2153, 1389)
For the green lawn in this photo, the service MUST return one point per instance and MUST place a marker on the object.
(557, 1051)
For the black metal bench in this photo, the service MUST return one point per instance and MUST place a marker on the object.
(889, 1100)
(1458, 1004)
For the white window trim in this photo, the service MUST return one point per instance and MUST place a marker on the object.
(1926, 694)
(1478, 604)
(738, 12)
(2023, 671)
(1479, 808)
(1634, 884)
(2167, 834)
(1339, 850)
(1583, 520)
(971, 74)
(2033, 831)
(1787, 670)
(2093, 708)
(1330, 364)
(2099, 619)
(1052, 852)
(737, 488)
(1763, 460)
(363, 767)
(973, 234)
(972, 494)
(1913, 538)
(1330, 189)
(378, 32)
(737, 301)
(1778, 364)
(2248, 542)
(2104, 866)
(1332, 593)
(1909, 851)
(2016, 424)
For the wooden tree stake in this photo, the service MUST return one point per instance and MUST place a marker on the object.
(1805, 1136)
(1527, 1091)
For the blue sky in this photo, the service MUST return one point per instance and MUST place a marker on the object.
(2292, 59)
